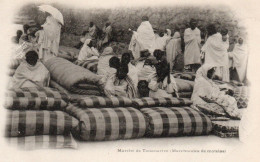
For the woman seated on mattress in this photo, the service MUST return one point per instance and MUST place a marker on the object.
(31, 73)
(114, 64)
(88, 51)
(206, 90)
(132, 70)
(120, 84)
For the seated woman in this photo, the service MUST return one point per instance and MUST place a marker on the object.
(88, 51)
(133, 71)
(114, 64)
(31, 73)
(148, 71)
(204, 87)
(165, 85)
(120, 84)
(103, 62)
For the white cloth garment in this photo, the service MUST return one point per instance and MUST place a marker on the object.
(192, 41)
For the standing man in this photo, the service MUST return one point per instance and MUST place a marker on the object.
(192, 41)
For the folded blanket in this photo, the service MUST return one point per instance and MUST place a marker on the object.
(109, 123)
(86, 92)
(212, 109)
(43, 142)
(95, 102)
(226, 129)
(89, 64)
(68, 74)
(185, 75)
(31, 92)
(35, 103)
(185, 94)
(88, 87)
(176, 121)
(74, 98)
(184, 85)
(165, 102)
(28, 123)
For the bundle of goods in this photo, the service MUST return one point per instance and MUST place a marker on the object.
(176, 121)
(185, 88)
(225, 129)
(74, 78)
(89, 64)
(98, 124)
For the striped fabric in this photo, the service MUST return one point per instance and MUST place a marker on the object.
(226, 126)
(109, 123)
(85, 92)
(43, 142)
(32, 92)
(241, 94)
(173, 121)
(165, 102)
(90, 65)
(28, 123)
(36, 103)
(225, 135)
(95, 102)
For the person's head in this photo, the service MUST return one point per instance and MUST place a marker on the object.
(224, 33)
(211, 29)
(161, 33)
(143, 88)
(145, 18)
(122, 72)
(148, 62)
(114, 62)
(91, 24)
(210, 73)
(126, 58)
(145, 53)
(240, 41)
(19, 33)
(31, 58)
(26, 28)
(157, 54)
(193, 24)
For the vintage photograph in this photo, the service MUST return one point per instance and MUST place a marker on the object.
(175, 73)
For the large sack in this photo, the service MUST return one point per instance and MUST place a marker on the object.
(70, 75)
(29, 123)
(43, 142)
(109, 123)
(176, 121)
(89, 64)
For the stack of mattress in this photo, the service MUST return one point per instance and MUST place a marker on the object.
(35, 119)
(185, 88)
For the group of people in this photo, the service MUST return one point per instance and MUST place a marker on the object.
(146, 69)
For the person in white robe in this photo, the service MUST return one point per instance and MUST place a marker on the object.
(103, 62)
(51, 38)
(30, 73)
(143, 38)
(204, 87)
(88, 51)
(239, 58)
(192, 40)
(215, 50)
(173, 49)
